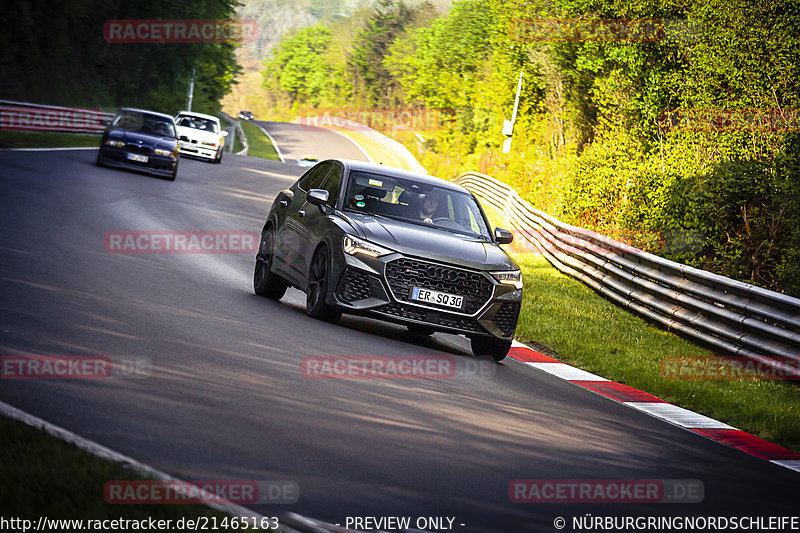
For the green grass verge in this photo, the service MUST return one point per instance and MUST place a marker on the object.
(237, 144)
(566, 319)
(19, 139)
(258, 144)
(42, 476)
(231, 139)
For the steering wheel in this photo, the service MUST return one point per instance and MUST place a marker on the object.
(446, 222)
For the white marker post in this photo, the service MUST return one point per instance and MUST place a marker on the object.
(508, 125)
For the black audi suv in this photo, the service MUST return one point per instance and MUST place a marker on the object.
(373, 240)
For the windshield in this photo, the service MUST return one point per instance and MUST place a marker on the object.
(136, 121)
(197, 123)
(415, 201)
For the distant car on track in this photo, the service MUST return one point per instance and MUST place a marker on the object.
(201, 135)
(141, 140)
(307, 161)
(246, 115)
(374, 240)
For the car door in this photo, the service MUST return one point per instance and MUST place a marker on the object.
(316, 221)
(293, 232)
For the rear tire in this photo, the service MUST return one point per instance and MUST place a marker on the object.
(317, 291)
(265, 282)
(497, 348)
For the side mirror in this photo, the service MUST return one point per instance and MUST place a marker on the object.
(317, 197)
(503, 236)
(224, 133)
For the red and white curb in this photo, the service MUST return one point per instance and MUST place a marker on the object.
(697, 423)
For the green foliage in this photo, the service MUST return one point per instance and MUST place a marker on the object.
(55, 53)
(681, 141)
(299, 67)
(370, 45)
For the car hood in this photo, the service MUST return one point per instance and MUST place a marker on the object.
(196, 134)
(147, 139)
(435, 244)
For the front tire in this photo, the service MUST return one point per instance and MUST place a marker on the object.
(317, 291)
(497, 348)
(266, 283)
(174, 174)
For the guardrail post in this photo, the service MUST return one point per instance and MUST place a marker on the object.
(728, 315)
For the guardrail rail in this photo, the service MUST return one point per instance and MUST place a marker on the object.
(24, 116)
(239, 131)
(727, 315)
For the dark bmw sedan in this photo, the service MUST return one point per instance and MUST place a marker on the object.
(374, 240)
(141, 140)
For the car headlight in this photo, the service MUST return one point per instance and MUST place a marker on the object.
(117, 144)
(509, 277)
(353, 246)
(212, 145)
(161, 151)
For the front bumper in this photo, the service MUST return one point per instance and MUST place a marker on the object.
(381, 287)
(198, 150)
(155, 164)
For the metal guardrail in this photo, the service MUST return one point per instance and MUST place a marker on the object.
(239, 131)
(727, 315)
(24, 116)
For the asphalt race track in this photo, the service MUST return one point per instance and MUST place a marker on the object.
(225, 396)
(298, 140)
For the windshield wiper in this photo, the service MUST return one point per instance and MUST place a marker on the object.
(380, 215)
(464, 233)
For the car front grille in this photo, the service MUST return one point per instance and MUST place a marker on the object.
(432, 317)
(404, 274)
(506, 317)
(354, 286)
(138, 149)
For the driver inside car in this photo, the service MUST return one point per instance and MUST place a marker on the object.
(428, 206)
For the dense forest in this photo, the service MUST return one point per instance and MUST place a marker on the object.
(672, 126)
(55, 52)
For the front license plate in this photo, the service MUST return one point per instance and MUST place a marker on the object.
(138, 157)
(435, 297)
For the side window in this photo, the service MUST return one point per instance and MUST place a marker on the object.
(332, 184)
(313, 178)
